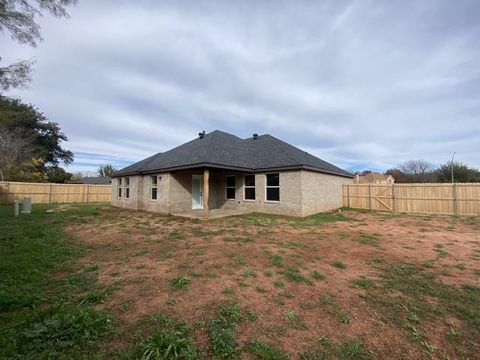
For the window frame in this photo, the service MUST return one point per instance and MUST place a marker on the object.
(245, 187)
(272, 187)
(119, 188)
(154, 186)
(234, 187)
(127, 187)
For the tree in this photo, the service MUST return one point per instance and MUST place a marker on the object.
(398, 175)
(462, 173)
(45, 136)
(106, 170)
(56, 174)
(419, 171)
(15, 149)
(413, 171)
(18, 18)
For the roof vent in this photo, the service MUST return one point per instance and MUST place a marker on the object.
(255, 136)
(201, 135)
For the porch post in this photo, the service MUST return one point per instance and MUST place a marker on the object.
(206, 189)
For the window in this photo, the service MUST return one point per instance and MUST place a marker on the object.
(230, 187)
(249, 181)
(273, 187)
(127, 188)
(119, 186)
(153, 187)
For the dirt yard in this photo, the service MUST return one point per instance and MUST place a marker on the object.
(347, 285)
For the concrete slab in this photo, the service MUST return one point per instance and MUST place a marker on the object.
(212, 214)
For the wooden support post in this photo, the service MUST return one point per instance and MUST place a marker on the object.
(370, 196)
(394, 198)
(455, 199)
(50, 194)
(206, 188)
(349, 205)
(88, 193)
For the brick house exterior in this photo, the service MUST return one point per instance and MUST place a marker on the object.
(222, 176)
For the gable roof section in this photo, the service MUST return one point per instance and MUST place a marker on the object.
(222, 150)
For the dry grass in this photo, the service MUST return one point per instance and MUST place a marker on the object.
(350, 285)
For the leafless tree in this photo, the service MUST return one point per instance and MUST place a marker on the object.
(420, 171)
(15, 149)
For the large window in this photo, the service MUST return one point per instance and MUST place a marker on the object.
(249, 182)
(230, 187)
(119, 187)
(127, 188)
(153, 187)
(273, 187)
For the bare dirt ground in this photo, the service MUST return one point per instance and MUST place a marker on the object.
(393, 285)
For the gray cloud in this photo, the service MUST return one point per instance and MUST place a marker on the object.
(358, 83)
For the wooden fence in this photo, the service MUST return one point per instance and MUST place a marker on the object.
(453, 199)
(45, 193)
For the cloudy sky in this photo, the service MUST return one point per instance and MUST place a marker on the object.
(362, 84)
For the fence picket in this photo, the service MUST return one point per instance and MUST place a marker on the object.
(456, 199)
(41, 193)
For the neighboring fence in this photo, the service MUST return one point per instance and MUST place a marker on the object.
(453, 199)
(44, 193)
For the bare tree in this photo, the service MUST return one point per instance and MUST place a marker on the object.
(420, 171)
(15, 149)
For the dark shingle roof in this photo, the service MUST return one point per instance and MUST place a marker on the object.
(93, 180)
(223, 150)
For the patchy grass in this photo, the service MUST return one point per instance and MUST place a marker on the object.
(371, 240)
(353, 350)
(339, 265)
(361, 283)
(77, 284)
(179, 283)
(419, 285)
(223, 331)
(264, 351)
(295, 275)
(318, 276)
(44, 316)
(277, 260)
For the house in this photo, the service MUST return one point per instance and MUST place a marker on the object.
(222, 171)
(92, 180)
(374, 178)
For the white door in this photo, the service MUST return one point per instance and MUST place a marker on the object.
(197, 192)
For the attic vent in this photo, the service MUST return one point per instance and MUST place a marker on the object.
(255, 136)
(201, 135)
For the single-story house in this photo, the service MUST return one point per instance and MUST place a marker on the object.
(222, 171)
(93, 180)
(374, 178)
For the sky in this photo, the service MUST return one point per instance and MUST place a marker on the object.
(362, 84)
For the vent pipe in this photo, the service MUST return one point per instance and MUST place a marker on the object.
(201, 135)
(255, 136)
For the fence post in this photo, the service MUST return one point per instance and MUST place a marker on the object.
(370, 196)
(348, 196)
(455, 199)
(394, 200)
(50, 194)
(88, 191)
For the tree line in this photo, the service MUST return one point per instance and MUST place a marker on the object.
(421, 171)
